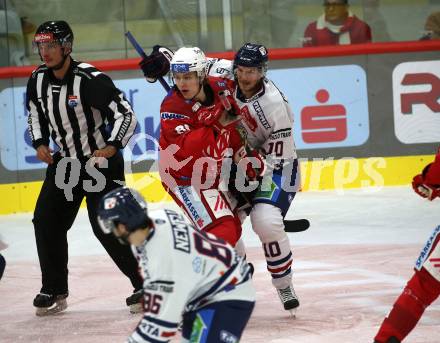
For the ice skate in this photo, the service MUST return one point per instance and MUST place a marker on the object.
(134, 302)
(49, 304)
(289, 299)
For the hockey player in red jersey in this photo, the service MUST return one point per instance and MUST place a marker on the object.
(267, 122)
(424, 286)
(197, 131)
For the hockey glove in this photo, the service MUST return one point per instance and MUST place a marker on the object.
(427, 184)
(229, 102)
(217, 117)
(157, 64)
(251, 162)
(207, 116)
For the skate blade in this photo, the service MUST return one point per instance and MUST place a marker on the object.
(293, 312)
(57, 307)
(136, 308)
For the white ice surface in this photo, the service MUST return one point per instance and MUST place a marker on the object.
(348, 269)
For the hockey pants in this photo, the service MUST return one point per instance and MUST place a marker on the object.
(54, 216)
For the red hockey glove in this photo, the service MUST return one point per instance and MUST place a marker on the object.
(157, 64)
(229, 102)
(251, 162)
(424, 190)
(207, 116)
(217, 117)
(427, 184)
(224, 128)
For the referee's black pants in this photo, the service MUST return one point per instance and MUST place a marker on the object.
(54, 215)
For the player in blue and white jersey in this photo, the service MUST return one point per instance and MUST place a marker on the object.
(189, 276)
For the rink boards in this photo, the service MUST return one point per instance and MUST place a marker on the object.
(365, 116)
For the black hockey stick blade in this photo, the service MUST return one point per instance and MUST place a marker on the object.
(297, 225)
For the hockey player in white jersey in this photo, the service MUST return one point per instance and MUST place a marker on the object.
(267, 122)
(190, 277)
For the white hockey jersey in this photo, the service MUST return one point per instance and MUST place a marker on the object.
(266, 117)
(184, 270)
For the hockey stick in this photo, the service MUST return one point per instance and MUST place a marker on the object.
(297, 225)
(142, 53)
(290, 225)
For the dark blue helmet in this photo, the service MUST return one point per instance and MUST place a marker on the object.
(252, 55)
(123, 206)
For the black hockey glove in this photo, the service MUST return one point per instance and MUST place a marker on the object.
(157, 64)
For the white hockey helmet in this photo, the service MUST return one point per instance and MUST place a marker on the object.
(186, 60)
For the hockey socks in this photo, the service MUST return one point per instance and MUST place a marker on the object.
(421, 290)
(279, 260)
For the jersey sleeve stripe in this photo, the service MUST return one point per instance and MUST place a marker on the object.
(281, 130)
(147, 338)
(217, 287)
(34, 122)
(163, 282)
(161, 322)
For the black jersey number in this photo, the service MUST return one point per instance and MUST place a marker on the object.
(272, 249)
(276, 148)
(152, 302)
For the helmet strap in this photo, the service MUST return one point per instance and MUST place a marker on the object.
(123, 239)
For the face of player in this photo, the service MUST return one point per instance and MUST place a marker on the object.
(188, 84)
(336, 12)
(135, 238)
(51, 53)
(249, 80)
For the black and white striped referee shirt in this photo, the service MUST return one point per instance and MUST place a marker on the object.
(82, 113)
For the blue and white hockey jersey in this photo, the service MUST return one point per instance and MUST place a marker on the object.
(184, 270)
(266, 117)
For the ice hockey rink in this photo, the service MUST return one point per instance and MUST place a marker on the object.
(349, 267)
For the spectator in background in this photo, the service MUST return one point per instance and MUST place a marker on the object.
(432, 27)
(337, 26)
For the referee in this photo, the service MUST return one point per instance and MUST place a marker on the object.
(89, 119)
